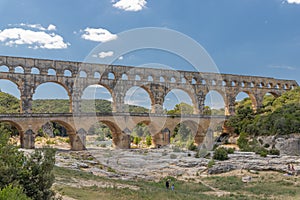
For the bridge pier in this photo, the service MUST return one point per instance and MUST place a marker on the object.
(78, 140)
(121, 141)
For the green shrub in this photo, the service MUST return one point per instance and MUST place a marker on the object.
(191, 146)
(261, 151)
(148, 140)
(230, 150)
(220, 154)
(242, 142)
(274, 152)
(12, 193)
(211, 163)
(137, 140)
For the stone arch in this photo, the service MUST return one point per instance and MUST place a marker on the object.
(97, 75)
(35, 70)
(215, 99)
(150, 78)
(51, 72)
(18, 127)
(137, 77)
(93, 94)
(12, 88)
(76, 143)
(67, 73)
(4, 68)
(189, 93)
(19, 69)
(82, 74)
(124, 76)
(173, 80)
(197, 131)
(57, 83)
(251, 96)
(119, 138)
(139, 93)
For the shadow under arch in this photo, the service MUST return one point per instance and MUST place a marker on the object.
(120, 139)
(196, 130)
(19, 128)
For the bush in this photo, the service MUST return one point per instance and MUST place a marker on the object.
(261, 151)
(12, 193)
(137, 140)
(230, 150)
(191, 146)
(220, 154)
(274, 152)
(211, 163)
(148, 140)
(242, 142)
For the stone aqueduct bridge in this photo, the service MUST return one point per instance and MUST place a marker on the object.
(76, 76)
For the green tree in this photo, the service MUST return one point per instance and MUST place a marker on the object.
(181, 108)
(12, 193)
(32, 172)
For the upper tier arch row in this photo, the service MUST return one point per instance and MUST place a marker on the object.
(128, 73)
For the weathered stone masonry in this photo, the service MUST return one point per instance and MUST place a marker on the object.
(76, 76)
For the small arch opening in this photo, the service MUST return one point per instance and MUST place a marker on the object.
(82, 74)
(19, 70)
(51, 72)
(67, 73)
(111, 76)
(97, 75)
(35, 70)
(4, 68)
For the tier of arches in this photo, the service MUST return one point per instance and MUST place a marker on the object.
(110, 74)
(148, 95)
(158, 136)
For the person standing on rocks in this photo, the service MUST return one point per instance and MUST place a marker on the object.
(172, 187)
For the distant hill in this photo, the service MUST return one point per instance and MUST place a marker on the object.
(10, 104)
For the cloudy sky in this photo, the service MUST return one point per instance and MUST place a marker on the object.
(249, 37)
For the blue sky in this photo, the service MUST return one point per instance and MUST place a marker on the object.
(249, 37)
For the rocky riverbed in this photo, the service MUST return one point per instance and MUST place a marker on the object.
(153, 164)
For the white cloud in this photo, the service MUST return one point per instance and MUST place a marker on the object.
(282, 67)
(294, 1)
(51, 27)
(130, 5)
(105, 54)
(121, 58)
(98, 35)
(34, 39)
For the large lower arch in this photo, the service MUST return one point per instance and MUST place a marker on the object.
(120, 139)
(195, 131)
(76, 142)
(53, 94)
(17, 126)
